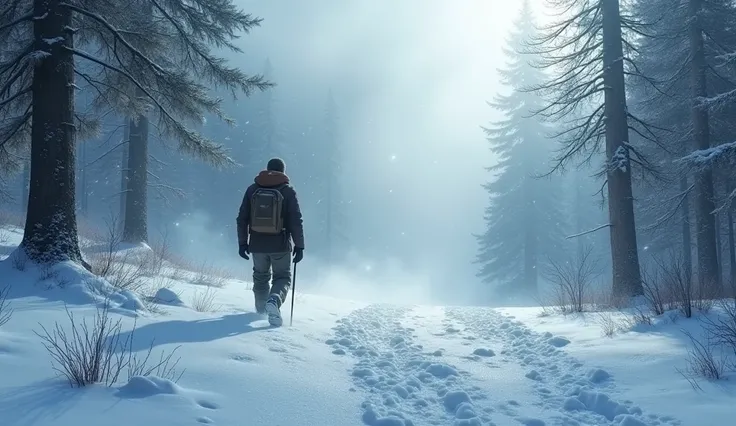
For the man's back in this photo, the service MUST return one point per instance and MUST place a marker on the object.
(292, 215)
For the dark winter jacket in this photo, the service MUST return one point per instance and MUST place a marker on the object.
(294, 230)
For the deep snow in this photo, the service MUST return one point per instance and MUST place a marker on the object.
(349, 363)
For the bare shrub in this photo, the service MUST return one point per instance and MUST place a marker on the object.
(178, 274)
(20, 260)
(600, 299)
(572, 281)
(124, 271)
(210, 276)
(706, 296)
(6, 312)
(47, 272)
(637, 316)
(685, 292)
(98, 353)
(161, 254)
(128, 274)
(702, 361)
(607, 323)
(723, 329)
(104, 260)
(658, 296)
(204, 301)
(165, 368)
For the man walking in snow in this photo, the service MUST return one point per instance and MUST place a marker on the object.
(268, 221)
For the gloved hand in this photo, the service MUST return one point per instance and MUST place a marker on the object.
(244, 252)
(298, 254)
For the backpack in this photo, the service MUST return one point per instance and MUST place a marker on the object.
(266, 211)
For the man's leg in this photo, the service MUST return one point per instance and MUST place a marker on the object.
(281, 282)
(281, 275)
(261, 278)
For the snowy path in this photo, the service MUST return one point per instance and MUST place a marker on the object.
(473, 367)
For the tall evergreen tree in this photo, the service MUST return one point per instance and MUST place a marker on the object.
(584, 49)
(661, 94)
(524, 219)
(133, 63)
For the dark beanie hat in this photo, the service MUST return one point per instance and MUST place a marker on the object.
(276, 165)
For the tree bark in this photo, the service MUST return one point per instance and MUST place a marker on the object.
(51, 223)
(25, 182)
(705, 224)
(135, 229)
(84, 190)
(687, 250)
(624, 253)
(731, 250)
(530, 241)
(123, 175)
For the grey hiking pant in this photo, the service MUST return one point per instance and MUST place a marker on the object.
(263, 265)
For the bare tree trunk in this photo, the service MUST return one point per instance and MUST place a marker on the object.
(84, 191)
(135, 229)
(731, 250)
(687, 249)
(25, 182)
(705, 225)
(624, 253)
(123, 174)
(719, 248)
(51, 222)
(530, 242)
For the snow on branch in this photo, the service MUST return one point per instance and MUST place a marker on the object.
(590, 231)
(620, 159)
(708, 157)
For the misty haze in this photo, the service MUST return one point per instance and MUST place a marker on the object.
(387, 213)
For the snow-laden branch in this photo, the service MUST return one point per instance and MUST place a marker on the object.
(708, 157)
(590, 231)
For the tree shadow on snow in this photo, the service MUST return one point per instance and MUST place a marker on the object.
(196, 331)
(38, 403)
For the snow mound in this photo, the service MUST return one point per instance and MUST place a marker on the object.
(166, 296)
(145, 387)
(65, 281)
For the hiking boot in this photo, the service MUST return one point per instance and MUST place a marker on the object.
(274, 311)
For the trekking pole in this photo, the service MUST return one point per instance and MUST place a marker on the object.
(293, 290)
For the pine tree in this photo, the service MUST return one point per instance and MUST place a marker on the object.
(134, 64)
(662, 95)
(524, 219)
(585, 50)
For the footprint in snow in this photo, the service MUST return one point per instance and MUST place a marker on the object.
(208, 405)
(484, 352)
(558, 341)
(242, 358)
(205, 420)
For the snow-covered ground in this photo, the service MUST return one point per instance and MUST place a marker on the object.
(346, 363)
